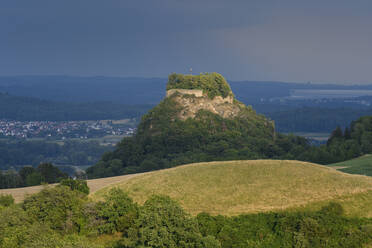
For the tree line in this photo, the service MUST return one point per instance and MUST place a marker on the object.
(63, 216)
(30, 176)
(19, 153)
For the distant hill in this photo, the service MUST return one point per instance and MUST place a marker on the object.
(265, 97)
(128, 91)
(136, 90)
(199, 120)
(33, 109)
(236, 187)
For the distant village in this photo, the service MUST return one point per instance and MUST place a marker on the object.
(63, 130)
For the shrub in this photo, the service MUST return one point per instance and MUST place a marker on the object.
(6, 200)
(163, 223)
(333, 208)
(213, 84)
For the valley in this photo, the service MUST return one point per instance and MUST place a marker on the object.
(201, 169)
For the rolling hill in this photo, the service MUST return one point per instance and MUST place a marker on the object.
(236, 187)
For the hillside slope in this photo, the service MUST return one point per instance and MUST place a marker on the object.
(361, 165)
(235, 187)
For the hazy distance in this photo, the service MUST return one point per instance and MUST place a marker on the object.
(292, 41)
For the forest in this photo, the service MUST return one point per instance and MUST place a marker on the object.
(44, 173)
(18, 153)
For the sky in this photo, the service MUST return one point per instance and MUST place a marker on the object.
(266, 40)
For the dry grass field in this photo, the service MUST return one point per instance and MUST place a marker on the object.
(236, 187)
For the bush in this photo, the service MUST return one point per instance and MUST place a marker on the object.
(163, 223)
(333, 208)
(6, 200)
(213, 84)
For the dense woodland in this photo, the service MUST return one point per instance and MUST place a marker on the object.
(44, 173)
(352, 142)
(18, 153)
(64, 216)
(20, 159)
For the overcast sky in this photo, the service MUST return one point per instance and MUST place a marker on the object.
(283, 40)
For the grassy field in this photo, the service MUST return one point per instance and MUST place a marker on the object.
(236, 187)
(361, 165)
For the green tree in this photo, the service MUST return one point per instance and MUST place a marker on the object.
(25, 172)
(58, 207)
(33, 179)
(118, 212)
(76, 184)
(336, 134)
(50, 173)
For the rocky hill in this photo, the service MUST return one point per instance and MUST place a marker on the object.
(199, 120)
(193, 101)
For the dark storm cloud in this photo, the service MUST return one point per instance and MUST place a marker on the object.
(264, 40)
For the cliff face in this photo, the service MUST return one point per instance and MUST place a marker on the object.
(197, 93)
(192, 102)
